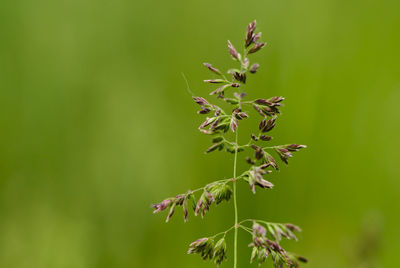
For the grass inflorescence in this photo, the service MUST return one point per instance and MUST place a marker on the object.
(265, 236)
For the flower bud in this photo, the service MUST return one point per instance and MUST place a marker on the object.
(265, 138)
(256, 37)
(246, 63)
(200, 100)
(294, 147)
(233, 51)
(256, 47)
(284, 154)
(215, 81)
(217, 139)
(258, 241)
(204, 247)
(207, 122)
(270, 160)
(233, 124)
(220, 90)
(206, 131)
(213, 147)
(269, 125)
(254, 253)
(262, 102)
(302, 259)
(250, 161)
(231, 101)
(292, 227)
(185, 210)
(262, 124)
(198, 245)
(276, 99)
(259, 230)
(204, 111)
(241, 115)
(264, 184)
(254, 68)
(162, 205)
(220, 251)
(250, 33)
(259, 152)
(258, 110)
(211, 68)
(254, 137)
(262, 255)
(171, 212)
(241, 77)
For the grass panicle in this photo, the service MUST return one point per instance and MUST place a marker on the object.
(265, 237)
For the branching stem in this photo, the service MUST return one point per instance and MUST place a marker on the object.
(235, 203)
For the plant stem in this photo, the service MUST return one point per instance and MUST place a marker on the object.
(235, 203)
(225, 232)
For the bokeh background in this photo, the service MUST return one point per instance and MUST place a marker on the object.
(96, 124)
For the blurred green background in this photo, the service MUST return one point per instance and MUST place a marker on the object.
(96, 124)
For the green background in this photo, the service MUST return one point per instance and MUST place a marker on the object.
(96, 124)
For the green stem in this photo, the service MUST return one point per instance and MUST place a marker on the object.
(265, 222)
(235, 204)
(246, 229)
(224, 233)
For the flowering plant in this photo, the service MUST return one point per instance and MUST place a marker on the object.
(265, 236)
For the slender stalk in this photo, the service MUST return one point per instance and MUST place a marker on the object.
(235, 203)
